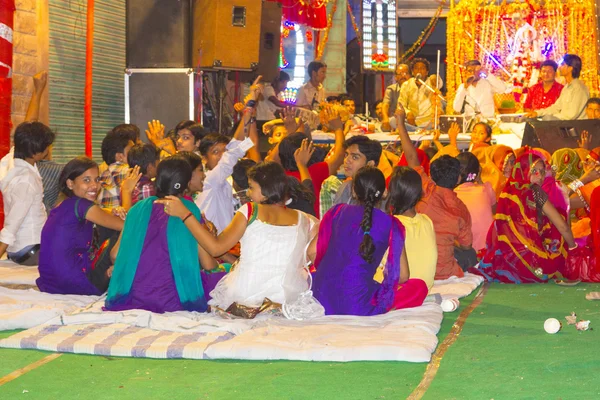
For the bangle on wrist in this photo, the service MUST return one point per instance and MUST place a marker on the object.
(576, 184)
(186, 217)
(574, 247)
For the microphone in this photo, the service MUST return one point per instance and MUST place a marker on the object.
(419, 78)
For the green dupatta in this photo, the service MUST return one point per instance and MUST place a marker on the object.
(183, 253)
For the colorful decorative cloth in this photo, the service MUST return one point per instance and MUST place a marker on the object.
(567, 165)
(518, 248)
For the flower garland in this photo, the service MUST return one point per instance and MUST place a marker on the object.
(562, 26)
(424, 36)
(353, 20)
(323, 42)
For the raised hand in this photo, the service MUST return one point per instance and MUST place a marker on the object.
(400, 113)
(289, 120)
(585, 142)
(155, 132)
(303, 154)
(332, 116)
(39, 81)
(173, 206)
(133, 177)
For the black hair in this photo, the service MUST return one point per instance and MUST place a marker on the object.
(210, 140)
(488, 128)
(345, 97)
(593, 100)
(431, 152)
(370, 148)
(129, 131)
(32, 138)
(283, 76)
(549, 63)
(315, 66)
(405, 190)
(574, 61)
(72, 170)
(240, 172)
(287, 148)
(419, 60)
(192, 158)
(472, 63)
(273, 182)
(112, 144)
(368, 185)
(143, 155)
(445, 171)
(173, 176)
(329, 99)
(197, 129)
(469, 167)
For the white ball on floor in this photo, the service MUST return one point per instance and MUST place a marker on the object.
(552, 325)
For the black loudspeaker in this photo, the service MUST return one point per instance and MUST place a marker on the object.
(165, 94)
(554, 135)
(158, 33)
(270, 36)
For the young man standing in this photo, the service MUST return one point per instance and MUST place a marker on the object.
(312, 93)
(392, 94)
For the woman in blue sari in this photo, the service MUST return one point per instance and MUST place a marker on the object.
(157, 260)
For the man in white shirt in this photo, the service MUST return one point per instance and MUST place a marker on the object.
(573, 99)
(476, 95)
(417, 99)
(312, 93)
(267, 102)
(23, 193)
(392, 94)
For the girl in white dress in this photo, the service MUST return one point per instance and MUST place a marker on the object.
(273, 241)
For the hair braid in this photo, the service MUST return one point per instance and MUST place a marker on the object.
(367, 248)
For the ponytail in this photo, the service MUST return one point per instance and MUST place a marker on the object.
(367, 248)
(368, 185)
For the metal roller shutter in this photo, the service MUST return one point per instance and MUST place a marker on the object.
(67, 73)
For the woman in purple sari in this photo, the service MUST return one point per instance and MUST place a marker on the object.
(353, 241)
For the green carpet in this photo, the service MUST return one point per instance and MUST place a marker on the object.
(503, 351)
(78, 376)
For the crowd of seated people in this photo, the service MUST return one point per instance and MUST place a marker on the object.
(197, 221)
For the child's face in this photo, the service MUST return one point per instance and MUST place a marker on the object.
(151, 170)
(254, 192)
(86, 185)
(479, 135)
(214, 154)
(186, 141)
(279, 132)
(353, 160)
(197, 182)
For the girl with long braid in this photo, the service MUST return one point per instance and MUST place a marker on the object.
(353, 241)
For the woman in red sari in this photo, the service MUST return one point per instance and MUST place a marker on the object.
(518, 249)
